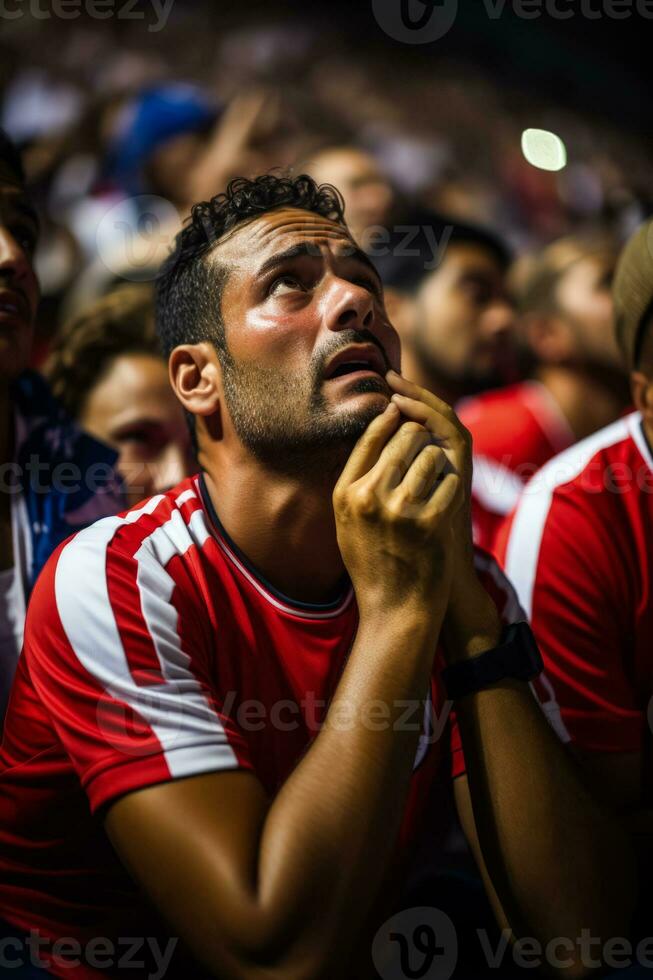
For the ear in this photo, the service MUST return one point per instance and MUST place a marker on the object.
(642, 390)
(196, 379)
(549, 337)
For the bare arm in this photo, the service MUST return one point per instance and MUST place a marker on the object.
(622, 781)
(557, 861)
(280, 888)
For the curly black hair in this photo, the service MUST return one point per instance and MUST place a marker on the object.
(10, 157)
(188, 293)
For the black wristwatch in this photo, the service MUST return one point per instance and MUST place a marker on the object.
(516, 657)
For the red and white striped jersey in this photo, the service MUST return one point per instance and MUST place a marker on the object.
(579, 549)
(154, 652)
(520, 427)
(515, 430)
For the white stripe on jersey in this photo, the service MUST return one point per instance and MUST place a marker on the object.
(495, 487)
(523, 549)
(189, 731)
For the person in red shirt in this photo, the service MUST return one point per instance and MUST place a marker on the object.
(577, 382)
(578, 549)
(231, 699)
(449, 298)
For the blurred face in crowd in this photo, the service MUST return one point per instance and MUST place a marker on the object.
(463, 327)
(19, 291)
(584, 301)
(133, 409)
(367, 193)
(308, 342)
(170, 165)
(641, 380)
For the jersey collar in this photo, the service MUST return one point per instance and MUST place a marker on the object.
(306, 610)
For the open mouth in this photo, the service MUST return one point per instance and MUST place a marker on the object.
(12, 306)
(356, 361)
(354, 368)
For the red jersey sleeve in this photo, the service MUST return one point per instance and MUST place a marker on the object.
(562, 551)
(508, 606)
(120, 657)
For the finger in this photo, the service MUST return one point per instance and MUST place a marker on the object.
(442, 427)
(405, 387)
(367, 450)
(398, 456)
(445, 500)
(423, 474)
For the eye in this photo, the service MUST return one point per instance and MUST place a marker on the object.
(136, 437)
(284, 285)
(25, 237)
(368, 283)
(479, 292)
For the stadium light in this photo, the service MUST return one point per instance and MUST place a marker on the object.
(543, 149)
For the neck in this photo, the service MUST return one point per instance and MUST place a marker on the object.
(589, 398)
(285, 526)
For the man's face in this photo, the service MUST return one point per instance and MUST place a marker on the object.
(18, 285)
(585, 302)
(464, 321)
(298, 296)
(367, 194)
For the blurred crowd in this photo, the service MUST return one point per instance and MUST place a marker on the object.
(108, 114)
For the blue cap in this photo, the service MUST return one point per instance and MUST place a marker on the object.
(149, 120)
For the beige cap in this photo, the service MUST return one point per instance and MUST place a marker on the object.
(633, 291)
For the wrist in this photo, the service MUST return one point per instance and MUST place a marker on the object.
(472, 624)
(411, 613)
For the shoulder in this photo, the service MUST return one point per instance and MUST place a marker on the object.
(502, 422)
(567, 522)
(117, 561)
(582, 470)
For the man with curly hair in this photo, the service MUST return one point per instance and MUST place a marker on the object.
(235, 697)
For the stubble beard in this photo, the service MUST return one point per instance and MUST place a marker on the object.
(286, 421)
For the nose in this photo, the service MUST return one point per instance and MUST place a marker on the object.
(499, 320)
(14, 262)
(351, 307)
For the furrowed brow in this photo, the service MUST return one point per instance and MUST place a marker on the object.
(295, 252)
(359, 256)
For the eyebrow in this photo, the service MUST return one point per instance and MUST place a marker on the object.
(307, 250)
(21, 205)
